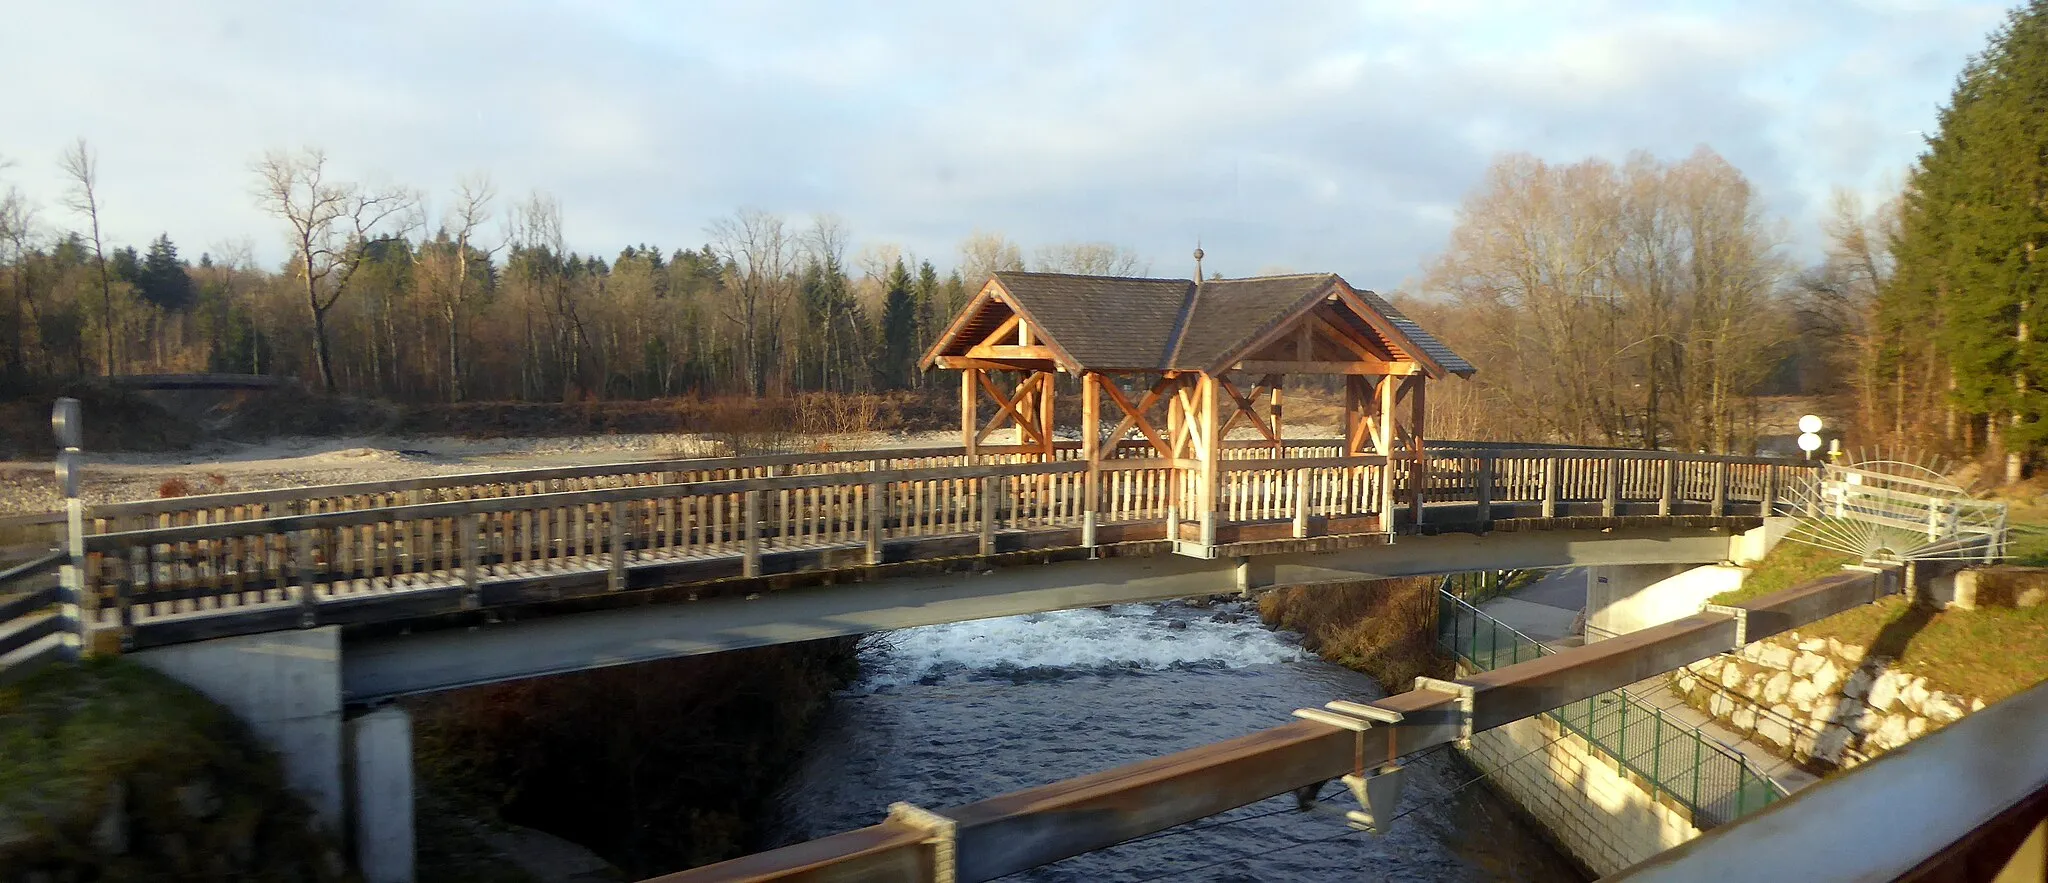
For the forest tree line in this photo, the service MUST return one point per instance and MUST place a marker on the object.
(387, 296)
(1646, 303)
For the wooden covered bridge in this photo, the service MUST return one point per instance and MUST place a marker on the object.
(1179, 479)
(1166, 370)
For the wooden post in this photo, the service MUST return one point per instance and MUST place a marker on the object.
(1418, 475)
(1176, 435)
(1483, 489)
(1550, 487)
(1045, 418)
(751, 535)
(1383, 444)
(1720, 488)
(990, 484)
(970, 379)
(1212, 455)
(1668, 494)
(878, 517)
(1770, 500)
(1091, 452)
(617, 579)
(1610, 502)
(470, 526)
(1279, 433)
(302, 564)
(1300, 503)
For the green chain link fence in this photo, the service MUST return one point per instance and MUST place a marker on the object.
(1714, 781)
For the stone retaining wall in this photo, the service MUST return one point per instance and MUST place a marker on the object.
(1817, 700)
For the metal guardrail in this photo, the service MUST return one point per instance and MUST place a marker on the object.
(1709, 778)
(34, 622)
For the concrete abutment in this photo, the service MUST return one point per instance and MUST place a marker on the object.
(287, 687)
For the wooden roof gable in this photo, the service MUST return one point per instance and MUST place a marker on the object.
(1102, 323)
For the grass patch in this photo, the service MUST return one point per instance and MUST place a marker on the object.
(1989, 653)
(1786, 566)
(199, 798)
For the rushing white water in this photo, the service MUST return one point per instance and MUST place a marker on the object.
(1070, 643)
(951, 714)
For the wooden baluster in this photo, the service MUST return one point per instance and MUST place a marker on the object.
(470, 535)
(1300, 503)
(617, 541)
(1667, 492)
(751, 526)
(990, 484)
(1482, 490)
(878, 516)
(1610, 502)
(1550, 479)
(1720, 489)
(302, 561)
(1770, 501)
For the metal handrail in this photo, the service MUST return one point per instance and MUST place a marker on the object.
(1720, 747)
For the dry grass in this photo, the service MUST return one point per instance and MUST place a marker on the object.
(1384, 628)
(174, 487)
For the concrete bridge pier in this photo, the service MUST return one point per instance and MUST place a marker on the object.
(287, 687)
(1625, 598)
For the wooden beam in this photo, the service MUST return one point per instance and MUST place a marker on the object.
(1364, 369)
(995, 337)
(1025, 365)
(1247, 408)
(987, 351)
(1134, 417)
(1010, 407)
(1338, 336)
(1196, 417)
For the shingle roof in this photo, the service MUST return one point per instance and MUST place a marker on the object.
(1121, 323)
(1424, 340)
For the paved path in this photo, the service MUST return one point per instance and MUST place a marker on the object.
(1548, 608)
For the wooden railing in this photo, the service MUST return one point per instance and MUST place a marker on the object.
(343, 553)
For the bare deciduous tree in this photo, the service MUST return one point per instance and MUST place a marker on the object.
(447, 265)
(985, 254)
(1633, 305)
(1089, 258)
(333, 225)
(83, 168)
(758, 252)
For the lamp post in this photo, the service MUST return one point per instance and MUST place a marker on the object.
(1809, 434)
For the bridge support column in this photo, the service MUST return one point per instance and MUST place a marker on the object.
(1625, 598)
(1253, 573)
(380, 752)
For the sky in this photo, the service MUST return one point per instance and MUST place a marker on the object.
(1300, 136)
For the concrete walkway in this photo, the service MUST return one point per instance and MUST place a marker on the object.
(1548, 608)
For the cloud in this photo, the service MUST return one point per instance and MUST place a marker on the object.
(1313, 135)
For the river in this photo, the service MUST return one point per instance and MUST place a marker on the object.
(950, 714)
